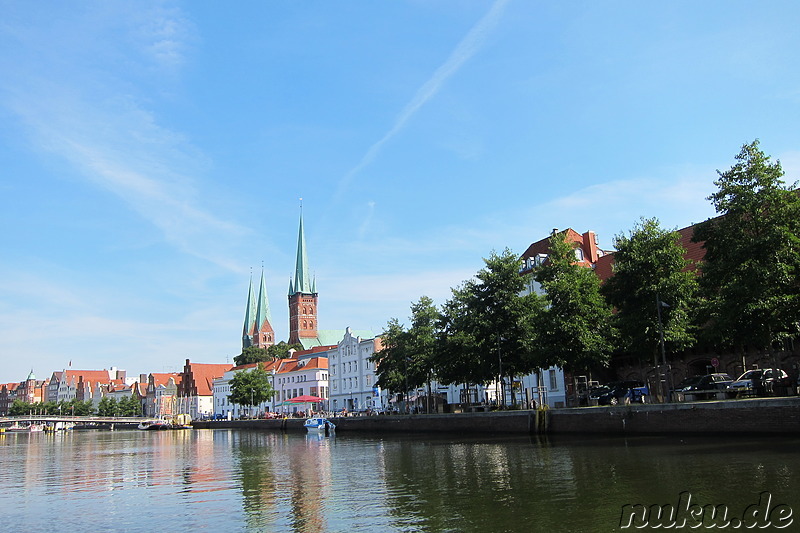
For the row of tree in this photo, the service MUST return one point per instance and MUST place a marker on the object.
(126, 406)
(73, 407)
(746, 291)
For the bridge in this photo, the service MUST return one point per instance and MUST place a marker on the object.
(77, 420)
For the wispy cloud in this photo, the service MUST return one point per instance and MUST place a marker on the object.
(92, 118)
(469, 45)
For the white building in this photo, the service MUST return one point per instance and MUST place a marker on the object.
(352, 374)
(304, 373)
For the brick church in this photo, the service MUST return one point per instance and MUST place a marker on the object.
(258, 331)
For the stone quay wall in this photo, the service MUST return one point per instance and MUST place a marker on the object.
(744, 417)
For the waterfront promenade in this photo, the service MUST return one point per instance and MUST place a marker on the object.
(731, 417)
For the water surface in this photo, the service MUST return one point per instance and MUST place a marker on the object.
(233, 480)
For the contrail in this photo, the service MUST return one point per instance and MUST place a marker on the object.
(465, 50)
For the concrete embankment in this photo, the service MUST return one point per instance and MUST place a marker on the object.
(757, 416)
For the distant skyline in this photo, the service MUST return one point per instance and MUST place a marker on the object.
(154, 153)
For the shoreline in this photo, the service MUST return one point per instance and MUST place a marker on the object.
(774, 416)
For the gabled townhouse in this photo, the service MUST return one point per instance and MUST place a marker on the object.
(161, 395)
(68, 385)
(196, 389)
(8, 393)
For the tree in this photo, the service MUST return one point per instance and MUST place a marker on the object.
(575, 332)
(108, 407)
(129, 406)
(649, 267)
(422, 339)
(487, 327)
(254, 354)
(391, 361)
(251, 387)
(751, 269)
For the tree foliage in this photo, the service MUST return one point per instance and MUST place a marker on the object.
(251, 387)
(391, 361)
(107, 406)
(649, 266)
(487, 327)
(254, 354)
(575, 332)
(751, 269)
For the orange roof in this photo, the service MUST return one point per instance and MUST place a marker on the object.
(314, 362)
(100, 376)
(163, 378)
(204, 375)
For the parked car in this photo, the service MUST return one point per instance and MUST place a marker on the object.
(618, 391)
(686, 383)
(759, 380)
(708, 385)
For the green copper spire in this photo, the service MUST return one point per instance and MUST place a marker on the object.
(262, 310)
(302, 279)
(250, 312)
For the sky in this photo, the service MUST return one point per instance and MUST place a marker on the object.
(154, 154)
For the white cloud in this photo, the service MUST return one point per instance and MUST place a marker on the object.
(469, 45)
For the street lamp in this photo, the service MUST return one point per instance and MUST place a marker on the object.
(252, 403)
(659, 305)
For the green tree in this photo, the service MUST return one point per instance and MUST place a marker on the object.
(251, 387)
(751, 269)
(392, 360)
(108, 406)
(423, 341)
(253, 354)
(19, 408)
(129, 406)
(575, 332)
(77, 407)
(487, 327)
(406, 359)
(649, 267)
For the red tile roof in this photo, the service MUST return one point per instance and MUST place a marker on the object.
(204, 374)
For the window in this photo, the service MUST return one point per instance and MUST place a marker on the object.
(553, 381)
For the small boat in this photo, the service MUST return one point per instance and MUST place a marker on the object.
(31, 428)
(319, 425)
(152, 425)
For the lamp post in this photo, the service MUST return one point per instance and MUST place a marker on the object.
(659, 304)
(251, 403)
(273, 390)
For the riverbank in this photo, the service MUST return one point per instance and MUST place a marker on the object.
(733, 417)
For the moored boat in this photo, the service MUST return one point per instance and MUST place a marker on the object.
(151, 425)
(319, 424)
(30, 428)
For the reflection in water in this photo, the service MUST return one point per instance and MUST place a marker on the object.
(269, 481)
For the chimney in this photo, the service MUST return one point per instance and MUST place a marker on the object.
(590, 246)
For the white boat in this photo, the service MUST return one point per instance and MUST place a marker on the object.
(319, 424)
(32, 428)
(154, 425)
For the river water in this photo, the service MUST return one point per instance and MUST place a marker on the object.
(236, 480)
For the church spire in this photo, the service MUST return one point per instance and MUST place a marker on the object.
(302, 297)
(249, 316)
(302, 279)
(262, 308)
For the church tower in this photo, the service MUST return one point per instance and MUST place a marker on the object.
(302, 296)
(257, 330)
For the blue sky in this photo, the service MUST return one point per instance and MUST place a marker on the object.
(153, 153)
